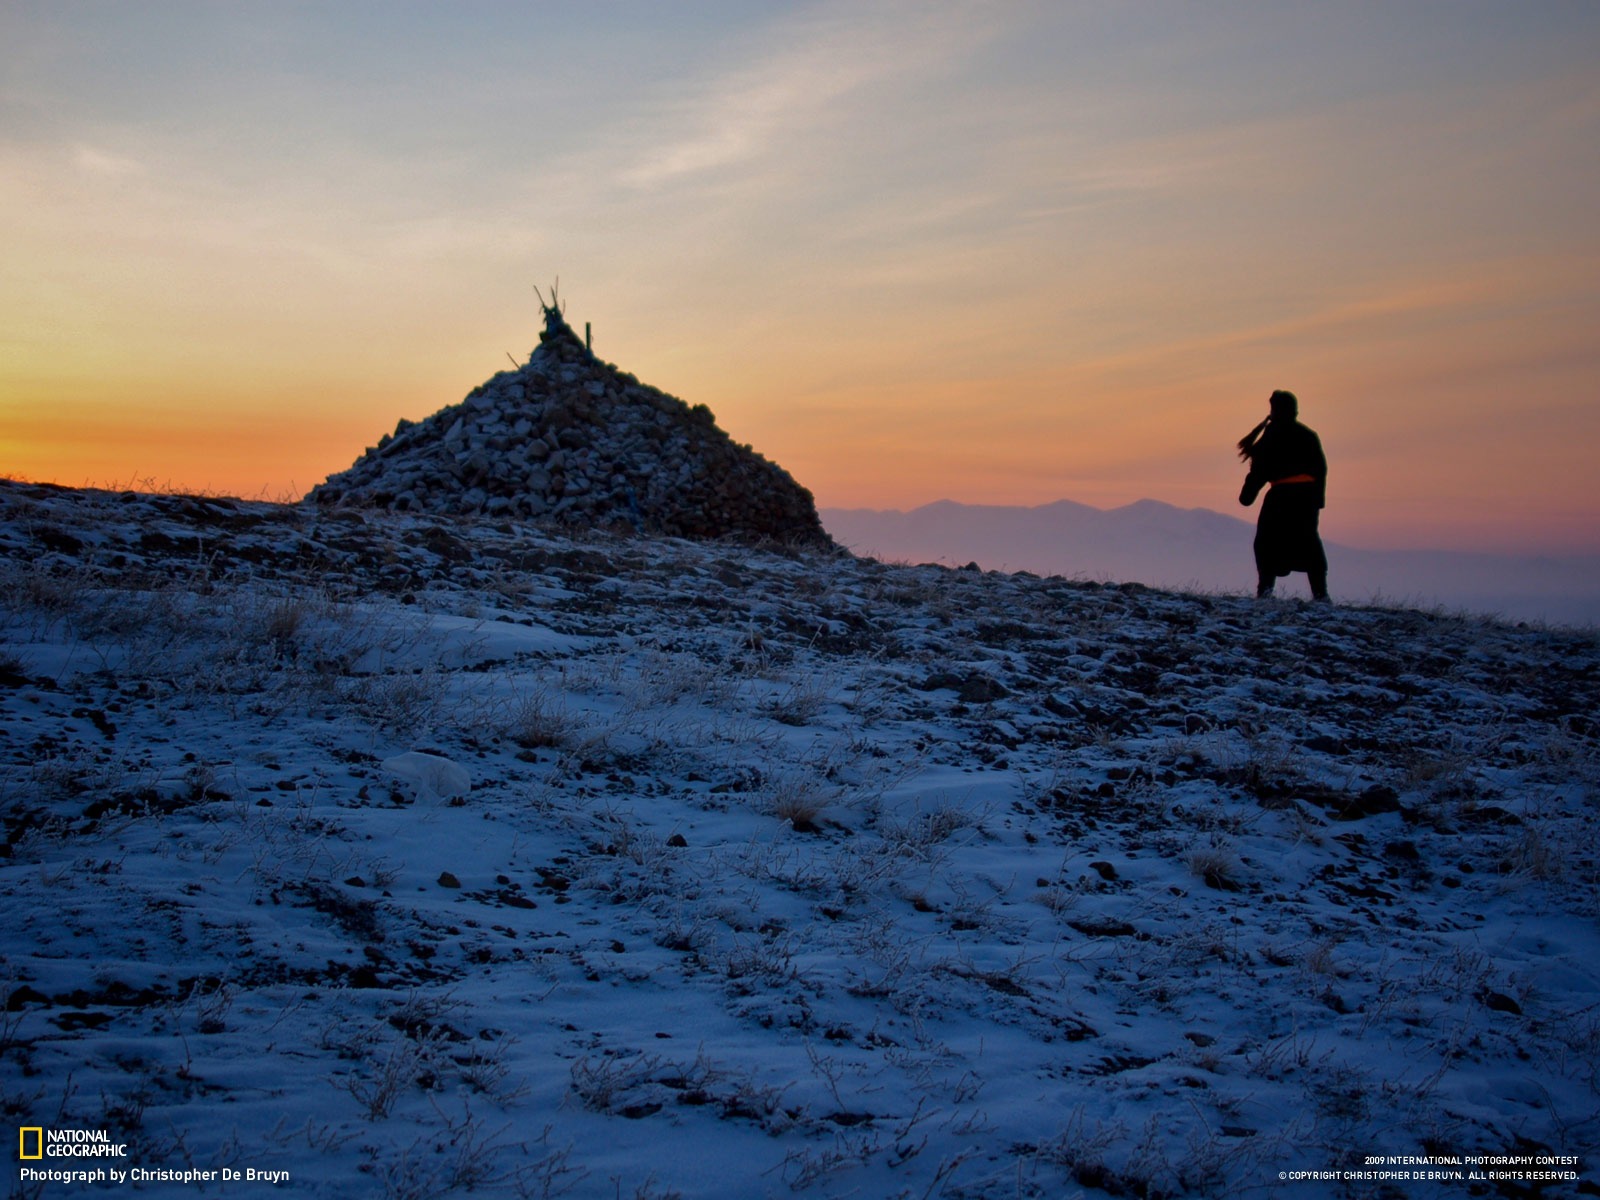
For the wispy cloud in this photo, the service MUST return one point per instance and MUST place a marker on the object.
(798, 81)
(1384, 309)
(91, 160)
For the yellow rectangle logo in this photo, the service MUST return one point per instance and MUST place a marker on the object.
(38, 1141)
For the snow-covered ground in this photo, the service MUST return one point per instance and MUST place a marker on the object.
(414, 856)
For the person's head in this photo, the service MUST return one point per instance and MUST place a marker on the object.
(1285, 407)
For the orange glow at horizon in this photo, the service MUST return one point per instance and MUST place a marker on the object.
(1014, 438)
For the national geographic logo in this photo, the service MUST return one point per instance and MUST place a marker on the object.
(36, 1143)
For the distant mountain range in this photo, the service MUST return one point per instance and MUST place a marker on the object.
(1196, 549)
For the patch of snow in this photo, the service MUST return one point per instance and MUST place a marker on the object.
(434, 776)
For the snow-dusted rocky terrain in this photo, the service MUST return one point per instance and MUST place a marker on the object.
(416, 855)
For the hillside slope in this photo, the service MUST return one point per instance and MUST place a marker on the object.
(414, 855)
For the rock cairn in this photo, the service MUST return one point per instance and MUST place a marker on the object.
(571, 439)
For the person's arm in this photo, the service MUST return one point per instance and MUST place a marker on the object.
(1253, 483)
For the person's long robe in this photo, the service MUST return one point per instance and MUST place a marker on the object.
(1288, 462)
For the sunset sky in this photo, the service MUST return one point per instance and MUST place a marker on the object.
(993, 252)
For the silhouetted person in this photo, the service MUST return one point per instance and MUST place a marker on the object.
(1286, 458)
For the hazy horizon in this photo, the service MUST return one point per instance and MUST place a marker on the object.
(1244, 516)
(1188, 549)
(1009, 252)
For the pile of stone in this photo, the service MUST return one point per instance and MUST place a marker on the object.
(571, 439)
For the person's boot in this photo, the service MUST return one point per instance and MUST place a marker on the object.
(1263, 586)
(1319, 586)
